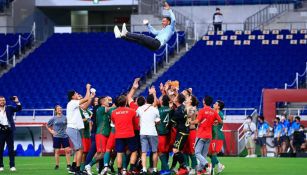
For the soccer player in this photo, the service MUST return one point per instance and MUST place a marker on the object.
(123, 119)
(218, 137)
(262, 131)
(85, 134)
(277, 134)
(57, 127)
(75, 124)
(205, 120)
(102, 132)
(191, 104)
(162, 36)
(180, 121)
(163, 134)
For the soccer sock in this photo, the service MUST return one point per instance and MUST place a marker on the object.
(186, 159)
(175, 160)
(132, 167)
(74, 164)
(181, 160)
(193, 161)
(101, 165)
(119, 170)
(125, 161)
(164, 162)
(82, 166)
(93, 162)
(106, 158)
(214, 160)
(77, 169)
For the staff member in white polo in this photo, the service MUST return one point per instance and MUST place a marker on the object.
(75, 124)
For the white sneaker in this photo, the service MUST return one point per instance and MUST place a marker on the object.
(117, 32)
(248, 156)
(104, 171)
(192, 172)
(124, 30)
(13, 169)
(1, 169)
(220, 168)
(253, 156)
(209, 169)
(88, 169)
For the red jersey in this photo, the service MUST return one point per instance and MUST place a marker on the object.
(137, 118)
(206, 118)
(123, 119)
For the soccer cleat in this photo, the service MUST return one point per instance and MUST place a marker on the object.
(192, 172)
(124, 30)
(68, 167)
(220, 168)
(248, 156)
(201, 172)
(56, 167)
(104, 171)
(182, 171)
(71, 170)
(1, 169)
(155, 173)
(12, 169)
(117, 32)
(88, 169)
(253, 156)
(165, 172)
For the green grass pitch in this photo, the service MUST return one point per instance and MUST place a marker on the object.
(234, 166)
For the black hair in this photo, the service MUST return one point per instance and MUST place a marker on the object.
(221, 104)
(100, 99)
(217, 8)
(165, 100)
(298, 118)
(194, 101)
(249, 117)
(70, 94)
(168, 18)
(180, 98)
(208, 100)
(121, 101)
(150, 99)
(140, 101)
(278, 119)
(261, 117)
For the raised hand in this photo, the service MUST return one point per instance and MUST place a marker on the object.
(136, 83)
(166, 6)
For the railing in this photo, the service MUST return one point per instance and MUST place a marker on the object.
(292, 111)
(240, 110)
(183, 23)
(223, 2)
(265, 15)
(293, 25)
(165, 52)
(296, 80)
(6, 54)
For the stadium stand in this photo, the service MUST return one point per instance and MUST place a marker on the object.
(67, 61)
(235, 65)
(5, 4)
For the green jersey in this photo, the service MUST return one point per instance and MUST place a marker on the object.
(112, 125)
(217, 133)
(163, 126)
(85, 133)
(103, 122)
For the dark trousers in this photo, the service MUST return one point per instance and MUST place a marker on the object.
(147, 41)
(8, 138)
(217, 27)
(92, 151)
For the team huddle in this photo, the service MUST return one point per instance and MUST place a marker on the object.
(133, 128)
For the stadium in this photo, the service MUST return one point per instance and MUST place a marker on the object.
(153, 87)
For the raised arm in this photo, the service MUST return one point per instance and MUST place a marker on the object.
(133, 89)
(87, 95)
(171, 15)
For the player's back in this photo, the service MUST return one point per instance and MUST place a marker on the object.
(123, 119)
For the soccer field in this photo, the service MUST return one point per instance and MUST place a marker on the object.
(234, 166)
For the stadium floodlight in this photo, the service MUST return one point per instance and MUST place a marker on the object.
(95, 1)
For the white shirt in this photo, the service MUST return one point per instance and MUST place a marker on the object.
(3, 118)
(149, 115)
(74, 118)
(250, 129)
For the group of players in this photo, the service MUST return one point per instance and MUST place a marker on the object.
(132, 127)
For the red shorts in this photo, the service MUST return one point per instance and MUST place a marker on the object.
(101, 143)
(215, 146)
(86, 142)
(163, 144)
(172, 139)
(111, 142)
(190, 144)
